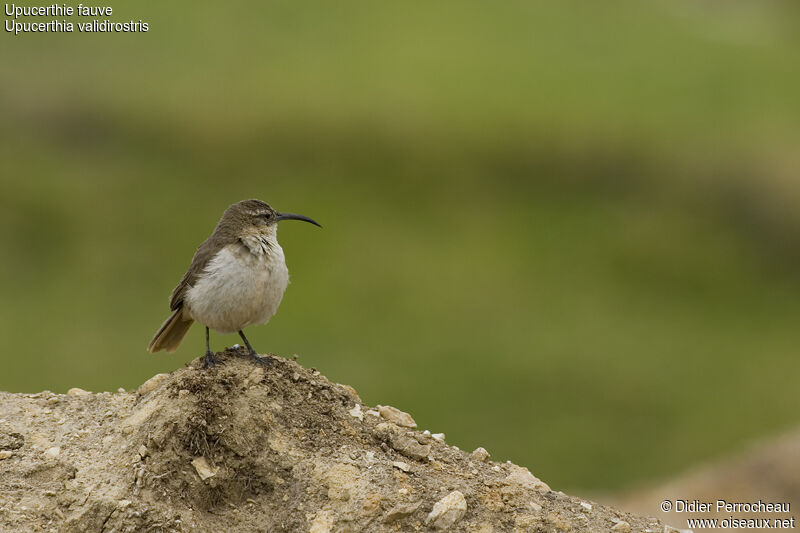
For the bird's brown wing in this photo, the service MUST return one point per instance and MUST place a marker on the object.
(205, 252)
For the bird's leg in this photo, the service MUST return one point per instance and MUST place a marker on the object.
(210, 360)
(252, 353)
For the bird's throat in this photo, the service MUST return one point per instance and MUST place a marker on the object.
(261, 243)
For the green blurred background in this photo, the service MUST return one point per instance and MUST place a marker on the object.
(566, 231)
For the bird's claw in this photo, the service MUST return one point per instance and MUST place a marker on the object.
(209, 360)
(264, 361)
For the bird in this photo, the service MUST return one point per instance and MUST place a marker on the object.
(236, 279)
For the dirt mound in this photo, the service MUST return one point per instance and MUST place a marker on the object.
(241, 447)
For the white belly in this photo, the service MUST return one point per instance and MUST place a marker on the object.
(238, 289)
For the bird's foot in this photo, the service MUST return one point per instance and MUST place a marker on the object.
(209, 360)
(264, 361)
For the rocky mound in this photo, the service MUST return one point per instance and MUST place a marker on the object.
(243, 447)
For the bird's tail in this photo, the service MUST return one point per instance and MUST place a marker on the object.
(171, 333)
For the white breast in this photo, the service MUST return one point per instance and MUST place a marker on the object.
(241, 286)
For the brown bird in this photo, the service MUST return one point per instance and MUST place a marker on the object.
(236, 279)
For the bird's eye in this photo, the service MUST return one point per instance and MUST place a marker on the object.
(268, 215)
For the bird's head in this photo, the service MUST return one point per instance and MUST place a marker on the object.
(257, 216)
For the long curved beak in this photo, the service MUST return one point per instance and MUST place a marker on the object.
(292, 216)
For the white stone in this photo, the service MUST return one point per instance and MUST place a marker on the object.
(52, 453)
(587, 506)
(480, 455)
(75, 391)
(392, 414)
(152, 384)
(401, 466)
(356, 412)
(522, 476)
(447, 511)
(203, 469)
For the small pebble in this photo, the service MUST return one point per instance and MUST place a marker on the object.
(519, 475)
(5, 454)
(356, 412)
(203, 469)
(587, 506)
(480, 455)
(447, 511)
(75, 391)
(393, 414)
(152, 384)
(401, 465)
(52, 453)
